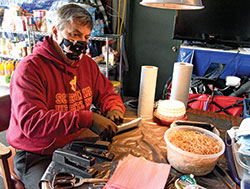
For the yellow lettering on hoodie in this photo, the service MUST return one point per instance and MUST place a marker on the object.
(78, 95)
(75, 100)
(61, 98)
(86, 92)
(71, 98)
(62, 108)
(76, 106)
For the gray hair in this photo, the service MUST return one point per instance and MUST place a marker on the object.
(69, 12)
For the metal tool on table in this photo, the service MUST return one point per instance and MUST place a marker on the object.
(63, 180)
(70, 169)
(69, 180)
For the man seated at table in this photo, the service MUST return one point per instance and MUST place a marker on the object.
(52, 91)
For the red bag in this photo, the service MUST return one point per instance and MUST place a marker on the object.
(220, 104)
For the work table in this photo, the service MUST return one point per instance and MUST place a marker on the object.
(147, 140)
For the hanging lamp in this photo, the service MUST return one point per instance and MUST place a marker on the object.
(174, 4)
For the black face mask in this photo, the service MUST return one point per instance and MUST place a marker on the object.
(73, 49)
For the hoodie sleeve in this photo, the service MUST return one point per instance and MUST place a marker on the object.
(104, 96)
(30, 110)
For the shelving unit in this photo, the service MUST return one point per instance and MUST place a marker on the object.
(34, 35)
(107, 38)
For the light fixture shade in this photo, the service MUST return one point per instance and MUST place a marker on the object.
(174, 4)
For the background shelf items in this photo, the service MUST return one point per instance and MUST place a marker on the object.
(22, 29)
(107, 38)
(20, 43)
(7, 68)
(14, 44)
(107, 56)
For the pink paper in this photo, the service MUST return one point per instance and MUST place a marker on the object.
(138, 173)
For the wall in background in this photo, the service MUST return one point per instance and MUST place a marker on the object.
(148, 41)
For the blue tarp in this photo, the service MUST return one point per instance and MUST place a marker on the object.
(236, 63)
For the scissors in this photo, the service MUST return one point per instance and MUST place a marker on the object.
(65, 180)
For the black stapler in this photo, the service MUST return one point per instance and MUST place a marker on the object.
(75, 162)
(97, 149)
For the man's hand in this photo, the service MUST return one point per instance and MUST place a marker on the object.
(103, 126)
(115, 115)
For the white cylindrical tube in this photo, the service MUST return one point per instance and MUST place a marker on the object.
(181, 81)
(147, 91)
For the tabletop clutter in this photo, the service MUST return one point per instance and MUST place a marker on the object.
(158, 147)
(192, 149)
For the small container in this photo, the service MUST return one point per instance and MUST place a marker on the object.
(241, 161)
(191, 163)
(185, 181)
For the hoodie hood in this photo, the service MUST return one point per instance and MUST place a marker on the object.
(47, 50)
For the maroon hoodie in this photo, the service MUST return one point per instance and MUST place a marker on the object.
(51, 99)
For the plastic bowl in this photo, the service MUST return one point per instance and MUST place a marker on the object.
(191, 163)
